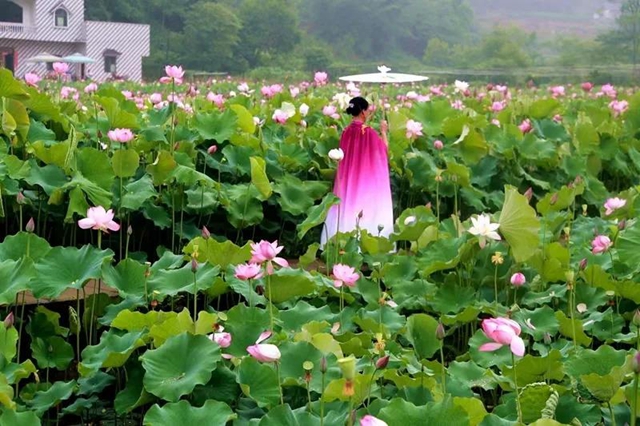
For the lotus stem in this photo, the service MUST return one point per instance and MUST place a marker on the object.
(268, 284)
(444, 371)
(322, 398)
(195, 296)
(515, 382)
(634, 411)
(96, 290)
(279, 384)
(613, 417)
(495, 287)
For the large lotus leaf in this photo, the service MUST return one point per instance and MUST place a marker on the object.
(604, 388)
(259, 177)
(572, 329)
(294, 355)
(16, 168)
(432, 115)
(421, 333)
(53, 352)
(531, 369)
(543, 108)
(543, 320)
(135, 321)
(172, 325)
(442, 255)
(282, 415)
(559, 200)
(133, 395)
(171, 282)
(188, 176)
(452, 298)
(245, 325)
(49, 178)
(298, 196)
(412, 223)
(8, 342)
(600, 362)
(216, 126)
(628, 246)
(22, 244)
(96, 383)
(54, 155)
(11, 87)
(125, 162)
(118, 117)
(501, 356)
(94, 165)
(218, 253)
(533, 399)
(286, 284)
(162, 167)
(46, 323)
(178, 366)
(221, 387)
(138, 192)
(25, 418)
(243, 205)
(16, 372)
(292, 319)
(245, 119)
(585, 136)
(212, 413)
(553, 264)
(519, 225)
(245, 288)
(471, 375)
(113, 351)
(259, 382)
(401, 413)
(68, 267)
(128, 277)
(15, 277)
(316, 215)
(474, 408)
(569, 408)
(43, 400)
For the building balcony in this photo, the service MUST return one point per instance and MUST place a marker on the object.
(13, 30)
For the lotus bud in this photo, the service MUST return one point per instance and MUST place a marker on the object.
(380, 228)
(570, 276)
(205, 233)
(583, 264)
(546, 338)
(323, 365)
(20, 198)
(8, 321)
(360, 214)
(31, 226)
(584, 209)
(129, 230)
(529, 193)
(635, 364)
(194, 265)
(636, 318)
(147, 273)
(622, 225)
(381, 363)
(440, 332)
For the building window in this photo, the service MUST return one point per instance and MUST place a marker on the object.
(61, 17)
(110, 64)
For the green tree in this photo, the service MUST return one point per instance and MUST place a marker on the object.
(629, 23)
(438, 53)
(213, 32)
(269, 27)
(505, 48)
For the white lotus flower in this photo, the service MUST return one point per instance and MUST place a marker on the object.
(336, 154)
(483, 229)
(461, 86)
(342, 99)
(304, 110)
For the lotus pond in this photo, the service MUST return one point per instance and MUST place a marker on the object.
(512, 296)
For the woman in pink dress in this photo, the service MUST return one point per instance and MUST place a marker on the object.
(362, 180)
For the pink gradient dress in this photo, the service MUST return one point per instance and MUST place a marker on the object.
(362, 184)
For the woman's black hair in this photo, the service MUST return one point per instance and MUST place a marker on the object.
(357, 105)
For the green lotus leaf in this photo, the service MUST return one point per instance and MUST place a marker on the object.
(128, 277)
(171, 282)
(133, 395)
(245, 119)
(243, 205)
(297, 196)
(113, 351)
(171, 324)
(533, 399)
(118, 117)
(212, 413)
(572, 329)
(471, 375)
(421, 333)
(95, 383)
(179, 365)
(216, 126)
(519, 225)
(10, 87)
(245, 325)
(543, 108)
(58, 392)
(68, 267)
(474, 408)
(400, 412)
(316, 215)
(15, 247)
(13, 418)
(218, 253)
(15, 276)
(286, 284)
(53, 352)
(125, 162)
(161, 168)
(259, 177)
(138, 192)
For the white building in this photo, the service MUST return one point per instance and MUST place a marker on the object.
(31, 27)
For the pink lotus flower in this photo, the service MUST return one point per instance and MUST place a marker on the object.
(248, 271)
(557, 118)
(99, 219)
(369, 420)
(503, 332)
(271, 91)
(91, 88)
(173, 74)
(414, 129)
(557, 91)
(321, 78)
(67, 92)
(609, 90)
(518, 279)
(127, 94)
(495, 122)
(294, 91)
(120, 135)
(344, 275)
(155, 98)
(217, 99)
(587, 86)
(280, 116)
(266, 252)
(501, 89)
(618, 107)
(212, 149)
(264, 352)
(32, 79)
(498, 106)
(437, 144)
(458, 104)
(60, 67)
(222, 339)
(525, 127)
(331, 111)
(243, 87)
(613, 204)
(600, 244)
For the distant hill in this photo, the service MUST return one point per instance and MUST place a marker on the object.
(549, 17)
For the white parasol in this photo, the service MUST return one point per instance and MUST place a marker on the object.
(78, 58)
(44, 57)
(384, 76)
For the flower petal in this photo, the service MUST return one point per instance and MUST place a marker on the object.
(489, 347)
(86, 223)
(517, 346)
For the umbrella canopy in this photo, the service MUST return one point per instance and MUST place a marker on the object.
(78, 58)
(44, 57)
(384, 76)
